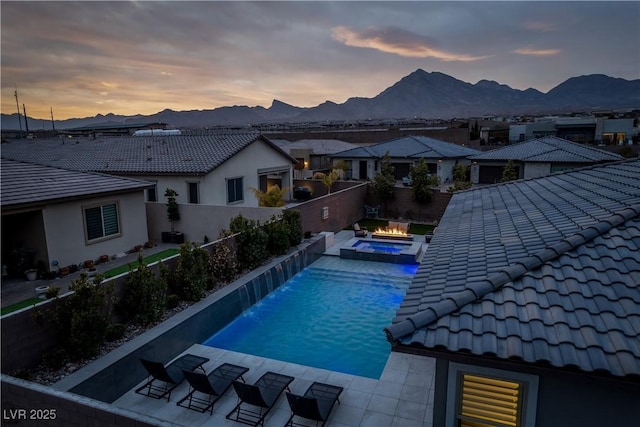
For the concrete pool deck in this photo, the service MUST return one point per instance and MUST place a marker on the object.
(402, 397)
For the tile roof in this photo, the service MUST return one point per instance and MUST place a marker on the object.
(30, 184)
(410, 147)
(549, 149)
(543, 271)
(318, 146)
(180, 154)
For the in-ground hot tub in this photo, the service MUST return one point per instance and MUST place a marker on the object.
(382, 250)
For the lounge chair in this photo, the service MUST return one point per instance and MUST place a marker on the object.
(263, 394)
(163, 379)
(372, 212)
(316, 403)
(359, 231)
(213, 385)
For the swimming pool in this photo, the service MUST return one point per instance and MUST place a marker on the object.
(330, 316)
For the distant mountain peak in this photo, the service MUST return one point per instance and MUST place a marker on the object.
(418, 94)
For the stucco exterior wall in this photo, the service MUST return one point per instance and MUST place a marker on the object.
(536, 170)
(196, 221)
(65, 230)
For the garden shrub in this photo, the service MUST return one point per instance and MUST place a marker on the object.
(115, 331)
(193, 272)
(144, 295)
(252, 242)
(277, 236)
(223, 262)
(81, 319)
(293, 219)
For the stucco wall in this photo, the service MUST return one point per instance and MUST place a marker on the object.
(535, 170)
(65, 229)
(196, 221)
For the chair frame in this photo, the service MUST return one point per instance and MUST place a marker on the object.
(201, 384)
(330, 394)
(156, 371)
(256, 418)
(361, 231)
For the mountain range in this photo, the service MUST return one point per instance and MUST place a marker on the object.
(429, 95)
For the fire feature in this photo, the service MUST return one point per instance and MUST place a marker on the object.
(395, 230)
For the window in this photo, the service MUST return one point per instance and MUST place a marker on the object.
(193, 192)
(234, 190)
(152, 194)
(101, 221)
(484, 397)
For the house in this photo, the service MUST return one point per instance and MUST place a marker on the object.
(589, 130)
(209, 169)
(536, 157)
(528, 297)
(441, 157)
(314, 154)
(52, 214)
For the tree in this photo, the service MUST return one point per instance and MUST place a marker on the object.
(509, 172)
(422, 182)
(384, 182)
(272, 198)
(173, 209)
(328, 179)
(460, 178)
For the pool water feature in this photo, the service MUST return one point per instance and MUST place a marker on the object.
(329, 316)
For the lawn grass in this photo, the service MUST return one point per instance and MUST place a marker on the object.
(22, 304)
(372, 224)
(147, 260)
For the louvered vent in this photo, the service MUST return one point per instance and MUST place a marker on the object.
(489, 402)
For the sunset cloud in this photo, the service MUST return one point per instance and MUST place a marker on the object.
(83, 58)
(397, 41)
(537, 52)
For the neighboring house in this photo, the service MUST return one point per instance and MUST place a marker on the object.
(589, 130)
(314, 154)
(441, 157)
(210, 169)
(535, 158)
(68, 216)
(528, 297)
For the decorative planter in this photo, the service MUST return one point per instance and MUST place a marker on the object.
(88, 263)
(41, 291)
(138, 248)
(104, 258)
(64, 271)
(31, 275)
(148, 244)
(92, 272)
(172, 237)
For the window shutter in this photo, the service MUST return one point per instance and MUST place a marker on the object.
(489, 402)
(93, 218)
(110, 213)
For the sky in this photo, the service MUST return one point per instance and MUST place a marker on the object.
(83, 58)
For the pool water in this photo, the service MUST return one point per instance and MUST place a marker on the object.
(330, 316)
(383, 247)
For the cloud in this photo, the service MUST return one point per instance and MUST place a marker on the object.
(537, 52)
(397, 41)
(542, 26)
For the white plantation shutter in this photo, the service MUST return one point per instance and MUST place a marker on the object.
(489, 402)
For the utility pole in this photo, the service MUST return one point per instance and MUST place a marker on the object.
(26, 124)
(53, 124)
(15, 93)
